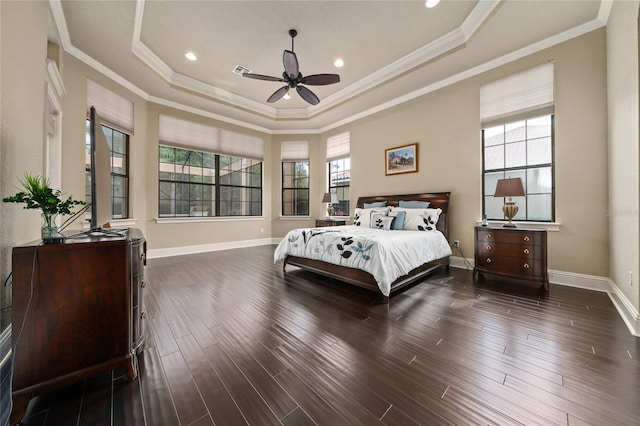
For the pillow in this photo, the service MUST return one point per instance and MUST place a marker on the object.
(377, 204)
(398, 221)
(381, 221)
(421, 219)
(414, 204)
(362, 217)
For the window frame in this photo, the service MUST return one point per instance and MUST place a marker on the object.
(524, 168)
(216, 186)
(294, 189)
(126, 141)
(340, 189)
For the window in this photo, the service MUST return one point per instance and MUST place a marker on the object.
(517, 116)
(295, 178)
(197, 183)
(521, 149)
(116, 114)
(339, 171)
(119, 149)
(206, 171)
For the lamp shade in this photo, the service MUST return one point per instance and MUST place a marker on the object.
(511, 187)
(326, 198)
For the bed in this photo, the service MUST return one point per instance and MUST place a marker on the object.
(296, 248)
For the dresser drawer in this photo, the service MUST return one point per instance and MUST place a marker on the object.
(512, 266)
(510, 237)
(522, 251)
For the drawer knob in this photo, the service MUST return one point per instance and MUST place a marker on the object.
(526, 238)
(143, 284)
(488, 260)
(489, 236)
(143, 314)
(526, 266)
(526, 251)
(142, 256)
(488, 247)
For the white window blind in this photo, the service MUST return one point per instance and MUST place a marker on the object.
(211, 139)
(338, 146)
(522, 95)
(294, 150)
(112, 108)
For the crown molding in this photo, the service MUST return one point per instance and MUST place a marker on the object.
(55, 78)
(604, 11)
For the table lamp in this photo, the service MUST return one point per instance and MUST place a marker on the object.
(330, 198)
(511, 187)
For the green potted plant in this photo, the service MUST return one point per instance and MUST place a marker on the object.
(37, 194)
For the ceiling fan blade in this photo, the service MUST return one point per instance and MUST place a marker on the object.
(320, 79)
(262, 77)
(278, 94)
(307, 95)
(290, 61)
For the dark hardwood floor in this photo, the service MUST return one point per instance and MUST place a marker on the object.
(231, 340)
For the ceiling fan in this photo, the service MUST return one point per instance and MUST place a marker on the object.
(294, 78)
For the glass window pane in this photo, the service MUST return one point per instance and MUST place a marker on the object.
(494, 157)
(539, 127)
(539, 180)
(539, 151)
(515, 132)
(493, 207)
(494, 136)
(539, 207)
(515, 154)
(490, 181)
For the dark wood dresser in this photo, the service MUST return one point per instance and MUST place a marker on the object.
(77, 311)
(330, 222)
(512, 253)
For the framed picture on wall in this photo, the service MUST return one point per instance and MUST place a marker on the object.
(402, 159)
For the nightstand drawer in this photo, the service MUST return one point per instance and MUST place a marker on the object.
(509, 236)
(521, 268)
(524, 251)
(330, 222)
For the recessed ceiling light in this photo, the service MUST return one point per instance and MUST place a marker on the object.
(191, 56)
(287, 96)
(338, 63)
(431, 3)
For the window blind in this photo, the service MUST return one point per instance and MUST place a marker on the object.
(211, 139)
(113, 109)
(522, 95)
(338, 146)
(294, 150)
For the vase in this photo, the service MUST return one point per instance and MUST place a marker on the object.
(49, 231)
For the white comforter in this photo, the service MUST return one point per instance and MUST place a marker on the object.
(386, 255)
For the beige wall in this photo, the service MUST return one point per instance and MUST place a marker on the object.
(623, 111)
(446, 124)
(23, 49)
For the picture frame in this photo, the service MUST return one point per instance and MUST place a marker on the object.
(401, 159)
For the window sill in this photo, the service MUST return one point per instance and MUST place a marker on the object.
(200, 219)
(549, 226)
(295, 217)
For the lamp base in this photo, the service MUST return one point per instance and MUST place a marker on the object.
(330, 211)
(510, 209)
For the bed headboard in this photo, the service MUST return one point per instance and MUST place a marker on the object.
(438, 200)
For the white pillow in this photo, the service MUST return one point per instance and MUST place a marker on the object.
(362, 217)
(381, 221)
(421, 219)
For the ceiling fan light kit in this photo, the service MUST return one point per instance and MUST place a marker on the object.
(294, 78)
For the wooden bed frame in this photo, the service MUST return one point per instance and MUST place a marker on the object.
(365, 279)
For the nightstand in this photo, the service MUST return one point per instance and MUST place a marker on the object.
(512, 253)
(330, 222)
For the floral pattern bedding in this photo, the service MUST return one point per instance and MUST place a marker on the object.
(386, 255)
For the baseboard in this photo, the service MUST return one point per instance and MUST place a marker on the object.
(203, 248)
(625, 308)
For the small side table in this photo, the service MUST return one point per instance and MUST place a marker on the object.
(330, 222)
